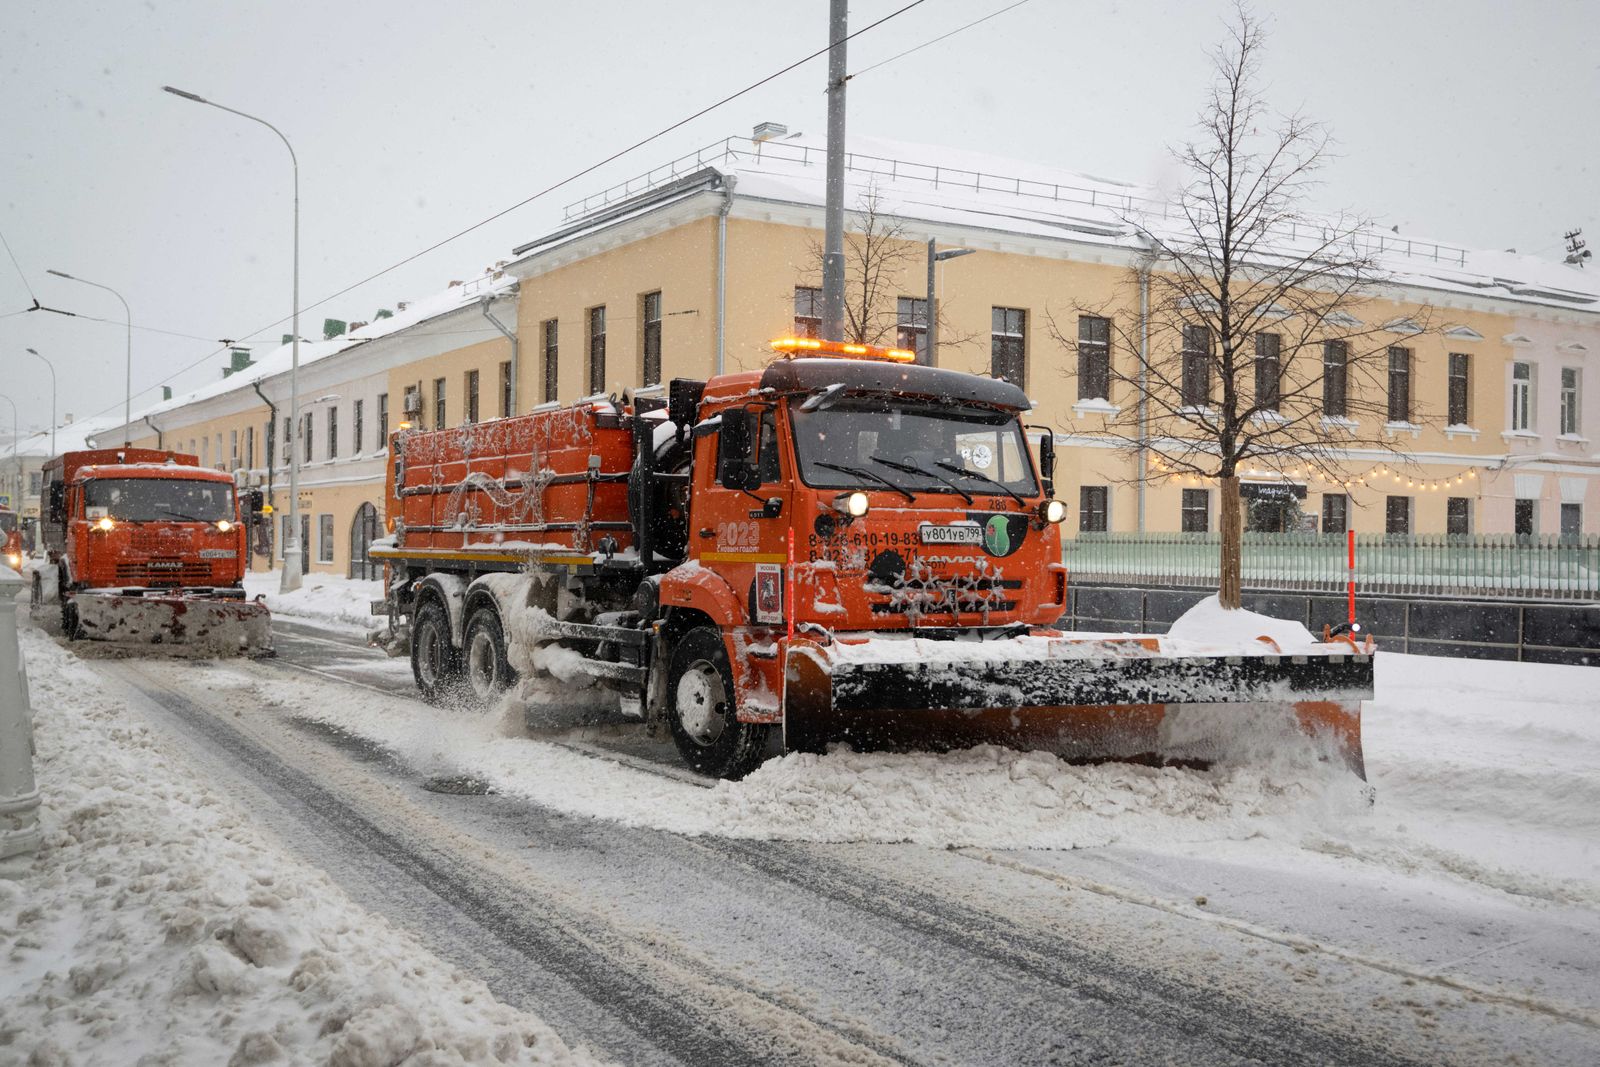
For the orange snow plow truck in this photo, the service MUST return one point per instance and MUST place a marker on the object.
(844, 546)
(148, 547)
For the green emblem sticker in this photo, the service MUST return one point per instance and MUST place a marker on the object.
(997, 536)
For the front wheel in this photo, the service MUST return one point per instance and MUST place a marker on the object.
(488, 668)
(435, 661)
(709, 736)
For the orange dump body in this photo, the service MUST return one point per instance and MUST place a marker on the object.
(552, 480)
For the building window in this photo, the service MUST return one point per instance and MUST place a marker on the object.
(472, 396)
(1460, 412)
(505, 388)
(1522, 396)
(283, 539)
(1335, 374)
(1196, 510)
(35, 482)
(233, 450)
(333, 433)
(1335, 513)
(807, 311)
(305, 437)
(324, 538)
(1526, 522)
(439, 420)
(1196, 385)
(1399, 384)
(250, 448)
(1397, 515)
(1008, 357)
(1571, 521)
(355, 429)
(650, 343)
(597, 350)
(383, 419)
(551, 365)
(220, 464)
(1092, 501)
(1269, 372)
(1094, 358)
(911, 332)
(1458, 515)
(288, 439)
(1569, 401)
(411, 407)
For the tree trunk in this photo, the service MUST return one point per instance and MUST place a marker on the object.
(1231, 518)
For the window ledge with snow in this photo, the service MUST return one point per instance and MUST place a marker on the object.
(1338, 422)
(1190, 411)
(1518, 435)
(1096, 406)
(1271, 418)
(1393, 429)
(1571, 439)
(1457, 429)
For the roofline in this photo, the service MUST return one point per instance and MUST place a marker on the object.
(707, 177)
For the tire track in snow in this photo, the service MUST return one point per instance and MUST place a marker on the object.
(689, 1014)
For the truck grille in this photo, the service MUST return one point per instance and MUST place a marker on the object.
(163, 572)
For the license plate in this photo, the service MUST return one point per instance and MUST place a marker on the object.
(966, 533)
(218, 553)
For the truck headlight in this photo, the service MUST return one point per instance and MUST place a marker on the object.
(224, 525)
(105, 523)
(852, 504)
(15, 559)
(1052, 511)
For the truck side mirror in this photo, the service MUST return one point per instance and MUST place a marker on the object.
(58, 503)
(1047, 463)
(736, 467)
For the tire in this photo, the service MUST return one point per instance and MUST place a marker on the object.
(69, 619)
(435, 661)
(700, 710)
(486, 666)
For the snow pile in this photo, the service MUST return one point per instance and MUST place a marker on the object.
(1208, 625)
(326, 600)
(157, 925)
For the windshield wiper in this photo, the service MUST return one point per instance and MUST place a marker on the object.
(865, 473)
(911, 468)
(1002, 486)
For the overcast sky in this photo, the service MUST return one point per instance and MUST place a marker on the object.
(1468, 121)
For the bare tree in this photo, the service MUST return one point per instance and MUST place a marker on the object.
(1252, 348)
(879, 260)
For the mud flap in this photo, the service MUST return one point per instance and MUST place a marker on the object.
(1086, 705)
(203, 624)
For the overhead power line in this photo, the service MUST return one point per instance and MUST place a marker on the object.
(17, 265)
(547, 190)
(941, 37)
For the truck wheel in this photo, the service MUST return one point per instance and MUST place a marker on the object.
(69, 619)
(700, 700)
(435, 662)
(489, 670)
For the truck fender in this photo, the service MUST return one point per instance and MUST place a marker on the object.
(507, 592)
(451, 591)
(695, 588)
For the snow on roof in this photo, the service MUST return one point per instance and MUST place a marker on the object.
(71, 437)
(964, 188)
(279, 360)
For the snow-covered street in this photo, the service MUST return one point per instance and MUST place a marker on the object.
(244, 863)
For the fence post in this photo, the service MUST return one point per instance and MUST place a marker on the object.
(19, 796)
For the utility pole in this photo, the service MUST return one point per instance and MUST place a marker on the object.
(833, 231)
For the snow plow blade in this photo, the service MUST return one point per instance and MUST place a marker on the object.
(217, 625)
(1084, 701)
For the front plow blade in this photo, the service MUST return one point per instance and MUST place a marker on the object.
(1083, 701)
(203, 624)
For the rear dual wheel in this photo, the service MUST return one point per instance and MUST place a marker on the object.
(709, 735)
(446, 675)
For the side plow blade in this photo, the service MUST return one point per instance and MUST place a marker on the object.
(1084, 701)
(218, 626)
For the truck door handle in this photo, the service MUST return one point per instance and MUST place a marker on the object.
(706, 531)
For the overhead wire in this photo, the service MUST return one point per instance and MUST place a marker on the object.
(941, 37)
(549, 189)
(26, 284)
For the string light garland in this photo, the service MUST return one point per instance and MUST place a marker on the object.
(1379, 477)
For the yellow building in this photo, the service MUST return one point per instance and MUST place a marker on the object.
(694, 267)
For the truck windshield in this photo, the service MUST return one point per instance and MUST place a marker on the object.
(917, 446)
(158, 500)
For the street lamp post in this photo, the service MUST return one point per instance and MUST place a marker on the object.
(47, 363)
(934, 258)
(291, 543)
(16, 458)
(127, 403)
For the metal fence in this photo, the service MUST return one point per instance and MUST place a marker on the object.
(1546, 568)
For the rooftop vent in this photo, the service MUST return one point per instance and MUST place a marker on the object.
(766, 131)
